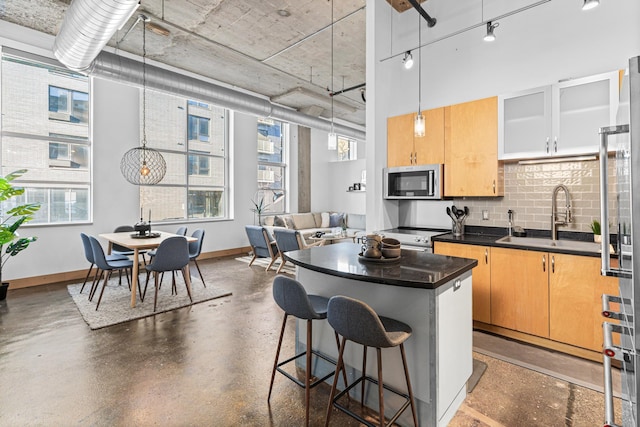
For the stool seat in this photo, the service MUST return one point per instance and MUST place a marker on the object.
(292, 298)
(355, 321)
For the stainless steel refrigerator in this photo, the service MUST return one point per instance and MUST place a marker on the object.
(619, 202)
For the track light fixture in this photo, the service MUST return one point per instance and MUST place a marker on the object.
(590, 4)
(489, 37)
(407, 61)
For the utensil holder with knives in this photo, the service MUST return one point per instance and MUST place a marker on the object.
(457, 217)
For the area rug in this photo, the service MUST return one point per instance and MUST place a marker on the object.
(116, 308)
(263, 262)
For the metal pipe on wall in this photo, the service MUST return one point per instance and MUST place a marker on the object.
(113, 67)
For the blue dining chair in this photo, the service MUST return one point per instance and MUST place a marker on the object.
(107, 266)
(121, 250)
(88, 254)
(171, 255)
(195, 248)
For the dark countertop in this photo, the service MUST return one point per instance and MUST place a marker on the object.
(488, 237)
(414, 269)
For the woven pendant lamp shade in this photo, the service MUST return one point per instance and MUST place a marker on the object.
(133, 165)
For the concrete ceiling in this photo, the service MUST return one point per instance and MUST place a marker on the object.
(278, 48)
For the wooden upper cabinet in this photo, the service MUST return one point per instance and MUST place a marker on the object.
(400, 140)
(404, 149)
(471, 150)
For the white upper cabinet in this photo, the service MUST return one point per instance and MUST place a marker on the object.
(558, 120)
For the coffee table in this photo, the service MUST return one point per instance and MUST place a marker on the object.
(332, 238)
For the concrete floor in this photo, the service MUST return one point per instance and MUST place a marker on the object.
(210, 364)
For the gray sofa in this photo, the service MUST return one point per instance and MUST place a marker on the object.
(311, 222)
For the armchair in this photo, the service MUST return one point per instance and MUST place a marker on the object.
(262, 244)
(291, 240)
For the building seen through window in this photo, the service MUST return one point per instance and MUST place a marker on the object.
(272, 138)
(45, 129)
(192, 137)
(347, 148)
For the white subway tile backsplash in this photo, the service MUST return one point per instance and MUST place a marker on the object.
(528, 190)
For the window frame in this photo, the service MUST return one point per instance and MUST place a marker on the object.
(285, 129)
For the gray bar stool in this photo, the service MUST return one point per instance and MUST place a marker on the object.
(290, 295)
(356, 321)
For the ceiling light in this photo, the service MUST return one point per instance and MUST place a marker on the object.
(590, 4)
(142, 165)
(489, 37)
(407, 61)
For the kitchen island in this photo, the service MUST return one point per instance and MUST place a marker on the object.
(431, 293)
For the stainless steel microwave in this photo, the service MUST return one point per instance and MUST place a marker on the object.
(420, 182)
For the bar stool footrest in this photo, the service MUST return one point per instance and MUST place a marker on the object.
(296, 380)
(347, 411)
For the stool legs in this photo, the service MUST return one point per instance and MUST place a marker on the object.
(339, 366)
(363, 379)
(406, 375)
(307, 380)
(275, 363)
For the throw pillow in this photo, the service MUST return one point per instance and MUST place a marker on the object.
(278, 221)
(325, 220)
(288, 222)
(336, 220)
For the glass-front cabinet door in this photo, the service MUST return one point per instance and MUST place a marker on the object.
(525, 123)
(557, 120)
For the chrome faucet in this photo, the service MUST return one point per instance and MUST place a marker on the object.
(555, 216)
(510, 224)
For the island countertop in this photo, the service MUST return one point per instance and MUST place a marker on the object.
(414, 269)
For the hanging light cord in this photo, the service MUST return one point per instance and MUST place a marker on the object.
(419, 63)
(144, 84)
(332, 66)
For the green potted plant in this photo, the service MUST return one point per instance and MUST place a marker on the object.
(595, 227)
(12, 219)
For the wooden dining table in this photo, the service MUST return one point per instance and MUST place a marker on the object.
(136, 244)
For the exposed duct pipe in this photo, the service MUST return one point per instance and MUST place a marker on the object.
(87, 27)
(113, 67)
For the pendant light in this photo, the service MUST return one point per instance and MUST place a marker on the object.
(418, 124)
(143, 165)
(333, 138)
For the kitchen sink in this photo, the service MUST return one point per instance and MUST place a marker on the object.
(548, 243)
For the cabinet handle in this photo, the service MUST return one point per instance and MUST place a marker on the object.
(546, 145)
(555, 144)
(494, 186)
(544, 263)
(553, 264)
(486, 256)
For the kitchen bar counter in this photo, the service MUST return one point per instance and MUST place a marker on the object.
(431, 293)
(414, 269)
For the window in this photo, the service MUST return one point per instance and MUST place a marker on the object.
(272, 140)
(192, 137)
(198, 128)
(68, 105)
(347, 148)
(45, 129)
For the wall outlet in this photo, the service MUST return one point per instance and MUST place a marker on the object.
(485, 215)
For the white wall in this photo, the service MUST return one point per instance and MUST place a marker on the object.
(537, 47)
(331, 178)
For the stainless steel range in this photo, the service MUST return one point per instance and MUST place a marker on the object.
(417, 239)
